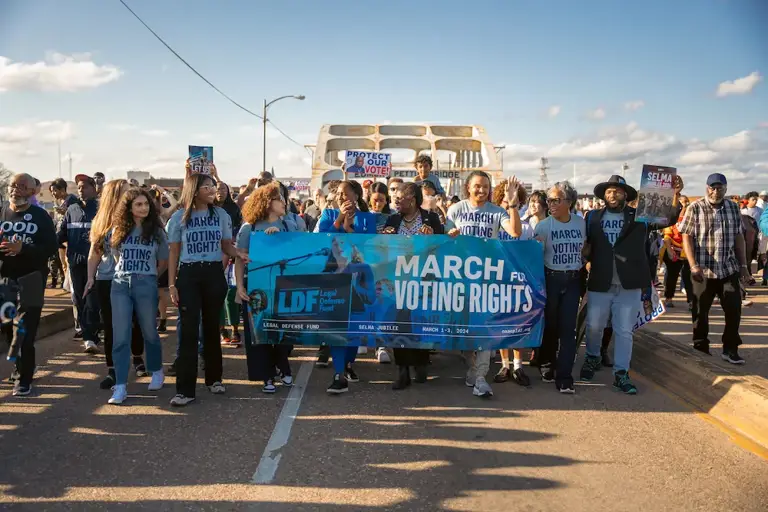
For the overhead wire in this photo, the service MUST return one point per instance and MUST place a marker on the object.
(176, 54)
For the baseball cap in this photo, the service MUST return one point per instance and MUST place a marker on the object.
(716, 178)
(763, 193)
(85, 177)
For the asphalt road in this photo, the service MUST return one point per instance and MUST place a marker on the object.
(431, 447)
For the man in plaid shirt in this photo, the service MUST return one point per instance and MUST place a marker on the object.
(713, 239)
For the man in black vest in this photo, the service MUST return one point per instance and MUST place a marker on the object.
(619, 272)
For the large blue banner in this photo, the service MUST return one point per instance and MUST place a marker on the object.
(388, 290)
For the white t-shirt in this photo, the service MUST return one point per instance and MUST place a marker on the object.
(563, 242)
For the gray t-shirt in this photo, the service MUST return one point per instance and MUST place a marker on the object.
(612, 224)
(106, 269)
(563, 242)
(484, 221)
(201, 237)
(137, 256)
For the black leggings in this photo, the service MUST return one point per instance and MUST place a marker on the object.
(202, 289)
(102, 290)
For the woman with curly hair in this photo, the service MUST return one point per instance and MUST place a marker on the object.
(199, 235)
(263, 211)
(141, 253)
(478, 216)
(101, 270)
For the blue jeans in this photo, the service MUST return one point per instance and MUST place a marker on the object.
(621, 305)
(558, 346)
(134, 293)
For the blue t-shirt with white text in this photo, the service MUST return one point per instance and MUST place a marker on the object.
(138, 256)
(200, 238)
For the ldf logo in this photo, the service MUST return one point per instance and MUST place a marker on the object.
(298, 301)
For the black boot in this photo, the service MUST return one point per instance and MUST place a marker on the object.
(109, 380)
(403, 378)
(421, 374)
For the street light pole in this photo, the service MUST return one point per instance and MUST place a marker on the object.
(264, 125)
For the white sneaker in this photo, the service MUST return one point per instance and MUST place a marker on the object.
(287, 380)
(382, 356)
(217, 388)
(158, 378)
(119, 394)
(181, 400)
(746, 303)
(482, 388)
(362, 350)
(90, 347)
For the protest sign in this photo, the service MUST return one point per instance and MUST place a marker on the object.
(387, 290)
(298, 185)
(201, 160)
(657, 189)
(365, 164)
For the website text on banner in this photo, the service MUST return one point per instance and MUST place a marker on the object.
(426, 291)
(364, 164)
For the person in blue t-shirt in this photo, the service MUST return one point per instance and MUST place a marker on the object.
(351, 217)
(199, 234)
(140, 249)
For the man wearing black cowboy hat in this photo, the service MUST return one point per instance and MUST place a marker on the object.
(616, 250)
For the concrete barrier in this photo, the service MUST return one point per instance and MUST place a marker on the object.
(737, 400)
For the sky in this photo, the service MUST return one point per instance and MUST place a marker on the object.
(588, 84)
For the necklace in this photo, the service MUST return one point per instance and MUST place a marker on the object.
(411, 221)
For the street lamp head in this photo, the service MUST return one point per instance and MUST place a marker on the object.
(300, 97)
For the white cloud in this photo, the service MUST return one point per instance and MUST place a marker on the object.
(121, 127)
(698, 157)
(634, 105)
(54, 131)
(736, 142)
(57, 73)
(743, 85)
(46, 131)
(597, 114)
(742, 157)
(553, 111)
(154, 133)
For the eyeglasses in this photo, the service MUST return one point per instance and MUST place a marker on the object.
(555, 200)
(208, 187)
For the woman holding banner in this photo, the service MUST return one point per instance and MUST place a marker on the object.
(563, 234)
(351, 217)
(478, 216)
(262, 211)
(411, 220)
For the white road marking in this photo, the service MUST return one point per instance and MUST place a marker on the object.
(270, 459)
